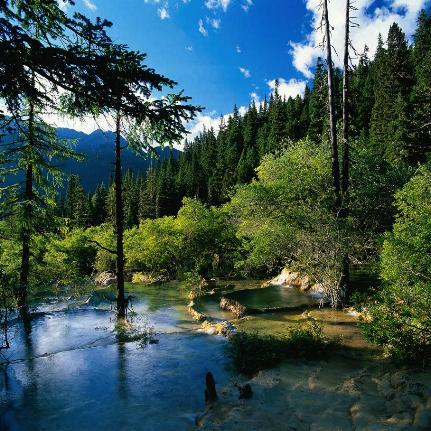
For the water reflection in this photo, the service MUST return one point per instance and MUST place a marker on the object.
(70, 371)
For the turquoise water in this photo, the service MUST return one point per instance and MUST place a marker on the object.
(69, 372)
(272, 296)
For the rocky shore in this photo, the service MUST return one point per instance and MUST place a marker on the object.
(338, 394)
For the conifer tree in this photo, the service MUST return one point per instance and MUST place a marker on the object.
(77, 205)
(392, 85)
(421, 92)
(318, 103)
(99, 204)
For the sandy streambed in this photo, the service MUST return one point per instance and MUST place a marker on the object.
(338, 394)
(352, 389)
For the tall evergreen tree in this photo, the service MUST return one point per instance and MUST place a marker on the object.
(99, 205)
(392, 85)
(421, 94)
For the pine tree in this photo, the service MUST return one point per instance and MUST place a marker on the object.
(392, 84)
(318, 103)
(148, 195)
(99, 205)
(276, 120)
(77, 206)
(421, 94)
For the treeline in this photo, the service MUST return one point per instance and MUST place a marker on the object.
(390, 111)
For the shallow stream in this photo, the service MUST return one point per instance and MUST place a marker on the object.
(69, 371)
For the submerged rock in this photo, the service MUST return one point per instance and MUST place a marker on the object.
(245, 392)
(326, 396)
(210, 390)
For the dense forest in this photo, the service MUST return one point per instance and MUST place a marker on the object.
(325, 183)
(389, 118)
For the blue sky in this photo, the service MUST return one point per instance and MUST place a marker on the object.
(226, 52)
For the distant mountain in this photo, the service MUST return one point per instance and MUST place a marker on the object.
(98, 149)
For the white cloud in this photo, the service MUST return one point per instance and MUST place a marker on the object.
(245, 72)
(202, 29)
(372, 20)
(189, 48)
(207, 121)
(238, 49)
(215, 23)
(203, 122)
(255, 97)
(246, 5)
(286, 89)
(90, 5)
(63, 5)
(303, 57)
(163, 12)
(217, 4)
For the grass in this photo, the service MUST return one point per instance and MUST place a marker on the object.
(252, 352)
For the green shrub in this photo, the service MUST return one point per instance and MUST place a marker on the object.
(251, 352)
(399, 316)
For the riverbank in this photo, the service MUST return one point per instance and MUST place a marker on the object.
(325, 395)
(351, 388)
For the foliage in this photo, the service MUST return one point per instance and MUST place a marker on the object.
(153, 246)
(199, 240)
(68, 262)
(285, 217)
(399, 316)
(251, 352)
(104, 236)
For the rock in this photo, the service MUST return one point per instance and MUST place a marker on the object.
(233, 306)
(196, 315)
(295, 279)
(398, 380)
(142, 278)
(105, 278)
(245, 392)
(205, 284)
(218, 328)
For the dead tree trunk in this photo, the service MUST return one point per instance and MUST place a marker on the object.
(331, 105)
(345, 280)
(119, 221)
(346, 124)
(210, 388)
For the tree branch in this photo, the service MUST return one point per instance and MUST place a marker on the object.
(101, 246)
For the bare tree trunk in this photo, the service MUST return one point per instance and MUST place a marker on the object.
(119, 221)
(27, 220)
(346, 124)
(331, 103)
(345, 279)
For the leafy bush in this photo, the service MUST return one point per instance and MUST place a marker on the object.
(285, 217)
(399, 317)
(153, 246)
(200, 240)
(252, 352)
